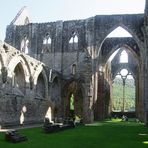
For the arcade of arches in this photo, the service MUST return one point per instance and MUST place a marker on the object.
(67, 68)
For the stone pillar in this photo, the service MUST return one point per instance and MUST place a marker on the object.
(88, 114)
(145, 73)
(88, 96)
(145, 97)
(99, 104)
(137, 101)
(145, 65)
(88, 102)
(89, 72)
(139, 88)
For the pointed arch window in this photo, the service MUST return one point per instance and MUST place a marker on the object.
(46, 43)
(74, 39)
(40, 87)
(123, 57)
(55, 91)
(73, 71)
(25, 45)
(47, 39)
(18, 79)
(119, 32)
(73, 42)
(26, 21)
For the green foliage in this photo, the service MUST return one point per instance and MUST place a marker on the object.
(107, 134)
(118, 94)
(72, 102)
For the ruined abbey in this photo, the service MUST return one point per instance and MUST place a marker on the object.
(43, 64)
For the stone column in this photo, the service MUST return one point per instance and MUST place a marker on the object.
(145, 71)
(88, 97)
(137, 101)
(145, 91)
(138, 95)
(88, 115)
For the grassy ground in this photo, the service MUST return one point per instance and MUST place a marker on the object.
(107, 134)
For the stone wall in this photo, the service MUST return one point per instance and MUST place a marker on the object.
(77, 51)
(20, 99)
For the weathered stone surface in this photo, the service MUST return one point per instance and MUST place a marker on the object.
(69, 57)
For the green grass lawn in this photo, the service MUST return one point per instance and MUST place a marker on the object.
(106, 134)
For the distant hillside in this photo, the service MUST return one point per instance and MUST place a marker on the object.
(117, 94)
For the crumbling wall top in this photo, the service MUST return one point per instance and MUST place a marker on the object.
(22, 17)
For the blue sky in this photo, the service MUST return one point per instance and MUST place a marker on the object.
(53, 10)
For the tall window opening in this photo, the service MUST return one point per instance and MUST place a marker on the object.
(119, 32)
(25, 45)
(123, 92)
(73, 69)
(123, 57)
(47, 39)
(26, 21)
(73, 42)
(46, 43)
(19, 78)
(40, 88)
(55, 91)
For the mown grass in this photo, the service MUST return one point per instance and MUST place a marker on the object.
(106, 134)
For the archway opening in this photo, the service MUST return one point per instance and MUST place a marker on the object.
(73, 41)
(119, 32)
(22, 115)
(121, 72)
(124, 72)
(74, 101)
(124, 57)
(55, 91)
(123, 94)
(48, 115)
(25, 45)
(40, 87)
(46, 47)
(118, 53)
(18, 80)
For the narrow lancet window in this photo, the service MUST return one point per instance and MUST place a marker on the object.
(73, 42)
(123, 57)
(46, 43)
(47, 39)
(25, 45)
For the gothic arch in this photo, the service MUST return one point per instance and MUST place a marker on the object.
(127, 48)
(73, 34)
(26, 21)
(18, 79)
(24, 46)
(40, 91)
(40, 71)
(47, 38)
(55, 90)
(46, 43)
(77, 89)
(125, 28)
(134, 35)
(14, 61)
(73, 41)
(120, 68)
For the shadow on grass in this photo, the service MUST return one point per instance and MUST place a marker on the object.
(105, 134)
(117, 122)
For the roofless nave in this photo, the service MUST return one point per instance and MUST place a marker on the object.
(44, 64)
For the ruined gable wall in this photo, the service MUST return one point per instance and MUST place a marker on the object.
(12, 99)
